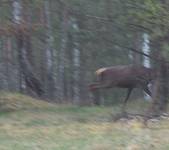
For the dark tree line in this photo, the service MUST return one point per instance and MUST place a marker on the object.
(51, 48)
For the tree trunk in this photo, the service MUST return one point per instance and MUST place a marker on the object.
(17, 18)
(49, 79)
(61, 55)
(10, 75)
(28, 80)
(76, 63)
(160, 86)
(146, 60)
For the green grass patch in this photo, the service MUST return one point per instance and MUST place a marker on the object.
(38, 125)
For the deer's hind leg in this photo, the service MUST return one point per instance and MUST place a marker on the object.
(146, 90)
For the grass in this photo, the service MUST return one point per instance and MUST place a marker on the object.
(29, 124)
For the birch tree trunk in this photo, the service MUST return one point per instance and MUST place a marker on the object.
(50, 81)
(146, 50)
(17, 18)
(146, 60)
(76, 63)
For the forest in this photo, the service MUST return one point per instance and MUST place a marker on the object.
(50, 50)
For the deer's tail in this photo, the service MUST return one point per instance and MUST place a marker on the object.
(100, 71)
(99, 74)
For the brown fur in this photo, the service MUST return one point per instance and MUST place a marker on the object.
(127, 76)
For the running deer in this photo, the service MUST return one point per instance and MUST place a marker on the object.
(127, 76)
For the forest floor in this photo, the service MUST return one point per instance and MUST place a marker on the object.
(28, 124)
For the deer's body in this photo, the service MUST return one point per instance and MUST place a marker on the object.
(128, 76)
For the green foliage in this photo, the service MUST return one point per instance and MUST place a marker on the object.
(151, 14)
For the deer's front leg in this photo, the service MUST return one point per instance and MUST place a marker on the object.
(126, 99)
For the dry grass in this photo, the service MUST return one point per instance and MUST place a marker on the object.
(15, 101)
